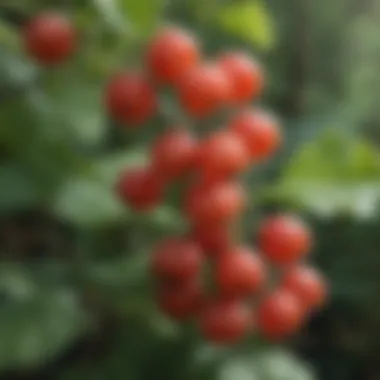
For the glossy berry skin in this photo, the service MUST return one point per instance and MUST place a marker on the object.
(239, 272)
(307, 284)
(280, 315)
(222, 155)
(203, 90)
(49, 38)
(140, 189)
(214, 238)
(245, 75)
(177, 259)
(173, 154)
(130, 99)
(181, 301)
(219, 202)
(284, 239)
(225, 321)
(171, 54)
(259, 130)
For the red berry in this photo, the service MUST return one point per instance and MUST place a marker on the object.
(280, 315)
(171, 54)
(284, 239)
(140, 189)
(173, 154)
(245, 75)
(203, 90)
(181, 301)
(307, 284)
(221, 155)
(239, 272)
(219, 202)
(177, 259)
(49, 38)
(225, 321)
(130, 98)
(214, 238)
(259, 130)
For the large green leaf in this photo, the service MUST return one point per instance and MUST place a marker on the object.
(36, 323)
(249, 20)
(336, 172)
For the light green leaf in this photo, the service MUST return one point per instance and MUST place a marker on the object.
(36, 323)
(335, 173)
(143, 14)
(249, 20)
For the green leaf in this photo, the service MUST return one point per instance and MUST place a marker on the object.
(17, 188)
(335, 173)
(79, 105)
(36, 323)
(132, 17)
(144, 14)
(249, 20)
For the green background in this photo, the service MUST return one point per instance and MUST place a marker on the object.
(75, 295)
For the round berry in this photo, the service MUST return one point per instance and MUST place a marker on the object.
(173, 154)
(280, 315)
(203, 90)
(219, 202)
(284, 239)
(214, 238)
(130, 98)
(182, 301)
(171, 54)
(49, 38)
(307, 284)
(177, 259)
(225, 321)
(245, 75)
(239, 272)
(140, 189)
(259, 130)
(222, 155)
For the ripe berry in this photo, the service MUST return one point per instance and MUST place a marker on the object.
(239, 272)
(130, 98)
(173, 154)
(140, 189)
(203, 90)
(171, 54)
(181, 301)
(225, 321)
(177, 259)
(259, 130)
(245, 74)
(222, 155)
(49, 38)
(307, 284)
(214, 238)
(284, 239)
(219, 202)
(280, 315)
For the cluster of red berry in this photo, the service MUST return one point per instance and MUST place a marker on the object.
(270, 289)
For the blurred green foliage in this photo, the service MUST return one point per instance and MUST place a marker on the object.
(75, 295)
